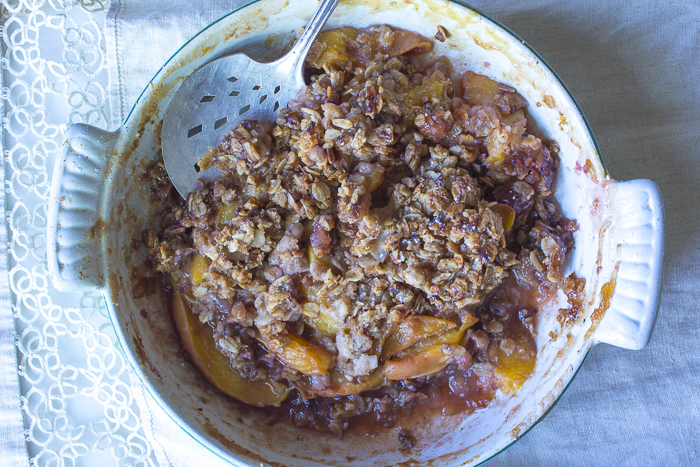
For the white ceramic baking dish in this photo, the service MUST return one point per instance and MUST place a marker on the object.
(98, 207)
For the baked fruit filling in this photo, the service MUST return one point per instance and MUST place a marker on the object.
(383, 247)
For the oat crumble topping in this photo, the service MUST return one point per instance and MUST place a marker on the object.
(368, 239)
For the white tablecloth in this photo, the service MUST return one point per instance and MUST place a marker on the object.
(634, 67)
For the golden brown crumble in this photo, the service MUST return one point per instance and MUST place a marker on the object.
(362, 238)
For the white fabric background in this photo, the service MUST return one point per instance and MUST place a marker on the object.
(634, 67)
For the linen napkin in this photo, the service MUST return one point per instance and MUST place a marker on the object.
(141, 35)
(634, 68)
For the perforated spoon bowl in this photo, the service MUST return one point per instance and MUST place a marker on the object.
(221, 94)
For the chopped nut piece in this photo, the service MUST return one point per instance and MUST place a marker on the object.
(441, 34)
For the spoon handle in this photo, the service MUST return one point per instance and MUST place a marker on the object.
(297, 55)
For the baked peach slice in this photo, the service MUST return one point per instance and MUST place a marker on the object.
(412, 330)
(430, 354)
(305, 357)
(198, 341)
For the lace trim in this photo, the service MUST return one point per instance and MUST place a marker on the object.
(75, 382)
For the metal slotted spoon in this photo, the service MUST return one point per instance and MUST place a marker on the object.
(224, 92)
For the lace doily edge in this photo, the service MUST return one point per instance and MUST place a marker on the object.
(13, 443)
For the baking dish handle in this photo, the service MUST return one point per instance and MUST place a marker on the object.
(639, 219)
(75, 228)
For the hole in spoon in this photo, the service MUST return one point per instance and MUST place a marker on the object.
(277, 89)
(196, 167)
(207, 99)
(262, 99)
(244, 109)
(277, 106)
(233, 79)
(234, 93)
(256, 88)
(220, 122)
(194, 131)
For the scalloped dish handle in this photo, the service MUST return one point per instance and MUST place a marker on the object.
(639, 218)
(75, 228)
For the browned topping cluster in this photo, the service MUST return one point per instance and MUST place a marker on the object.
(361, 242)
